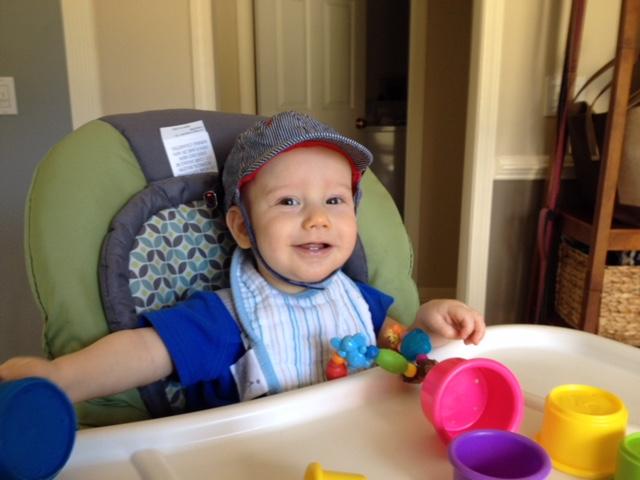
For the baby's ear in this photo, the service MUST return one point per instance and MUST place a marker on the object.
(237, 227)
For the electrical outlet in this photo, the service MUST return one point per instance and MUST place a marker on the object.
(8, 104)
(551, 94)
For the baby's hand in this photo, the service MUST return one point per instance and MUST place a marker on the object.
(450, 320)
(21, 367)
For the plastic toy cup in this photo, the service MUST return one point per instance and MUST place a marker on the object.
(496, 455)
(582, 428)
(37, 429)
(628, 467)
(460, 395)
(316, 472)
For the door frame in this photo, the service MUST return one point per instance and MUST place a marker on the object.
(480, 151)
(81, 52)
(414, 149)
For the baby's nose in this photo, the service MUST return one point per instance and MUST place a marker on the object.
(317, 217)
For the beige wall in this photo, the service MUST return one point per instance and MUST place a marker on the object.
(225, 32)
(532, 50)
(447, 70)
(144, 54)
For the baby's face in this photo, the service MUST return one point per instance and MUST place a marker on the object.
(302, 211)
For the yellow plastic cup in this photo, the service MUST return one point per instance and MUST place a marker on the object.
(582, 429)
(316, 472)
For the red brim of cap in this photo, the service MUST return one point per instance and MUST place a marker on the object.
(356, 175)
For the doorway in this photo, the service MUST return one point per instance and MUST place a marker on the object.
(344, 62)
(384, 125)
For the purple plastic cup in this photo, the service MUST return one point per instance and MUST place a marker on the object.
(498, 455)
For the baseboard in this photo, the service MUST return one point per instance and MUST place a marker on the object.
(528, 167)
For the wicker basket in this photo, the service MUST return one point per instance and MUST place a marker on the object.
(620, 303)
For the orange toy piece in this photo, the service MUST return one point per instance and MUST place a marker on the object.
(316, 472)
(336, 368)
(337, 359)
(394, 334)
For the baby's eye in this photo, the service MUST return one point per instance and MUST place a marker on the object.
(288, 202)
(335, 201)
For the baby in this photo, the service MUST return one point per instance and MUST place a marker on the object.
(291, 188)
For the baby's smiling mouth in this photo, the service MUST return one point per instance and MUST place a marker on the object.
(313, 247)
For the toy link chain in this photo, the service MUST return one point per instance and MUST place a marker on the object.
(407, 354)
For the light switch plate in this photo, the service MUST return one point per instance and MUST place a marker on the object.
(8, 103)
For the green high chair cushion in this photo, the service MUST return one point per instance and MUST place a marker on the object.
(388, 249)
(76, 191)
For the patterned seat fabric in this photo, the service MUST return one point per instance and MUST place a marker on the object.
(179, 251)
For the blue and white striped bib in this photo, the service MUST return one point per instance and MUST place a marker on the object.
(287, 335)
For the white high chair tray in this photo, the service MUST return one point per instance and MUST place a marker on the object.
(370, 423)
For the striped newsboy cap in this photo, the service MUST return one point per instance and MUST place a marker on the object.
(272, 136)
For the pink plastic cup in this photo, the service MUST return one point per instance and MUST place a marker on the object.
(461, 395)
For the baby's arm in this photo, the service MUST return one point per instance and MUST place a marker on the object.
(117, 362)
(443, 320)
(447, 319)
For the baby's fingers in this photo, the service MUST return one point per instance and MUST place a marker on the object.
(477, 329)
(448, 331)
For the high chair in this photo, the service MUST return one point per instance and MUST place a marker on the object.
(97, 212)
